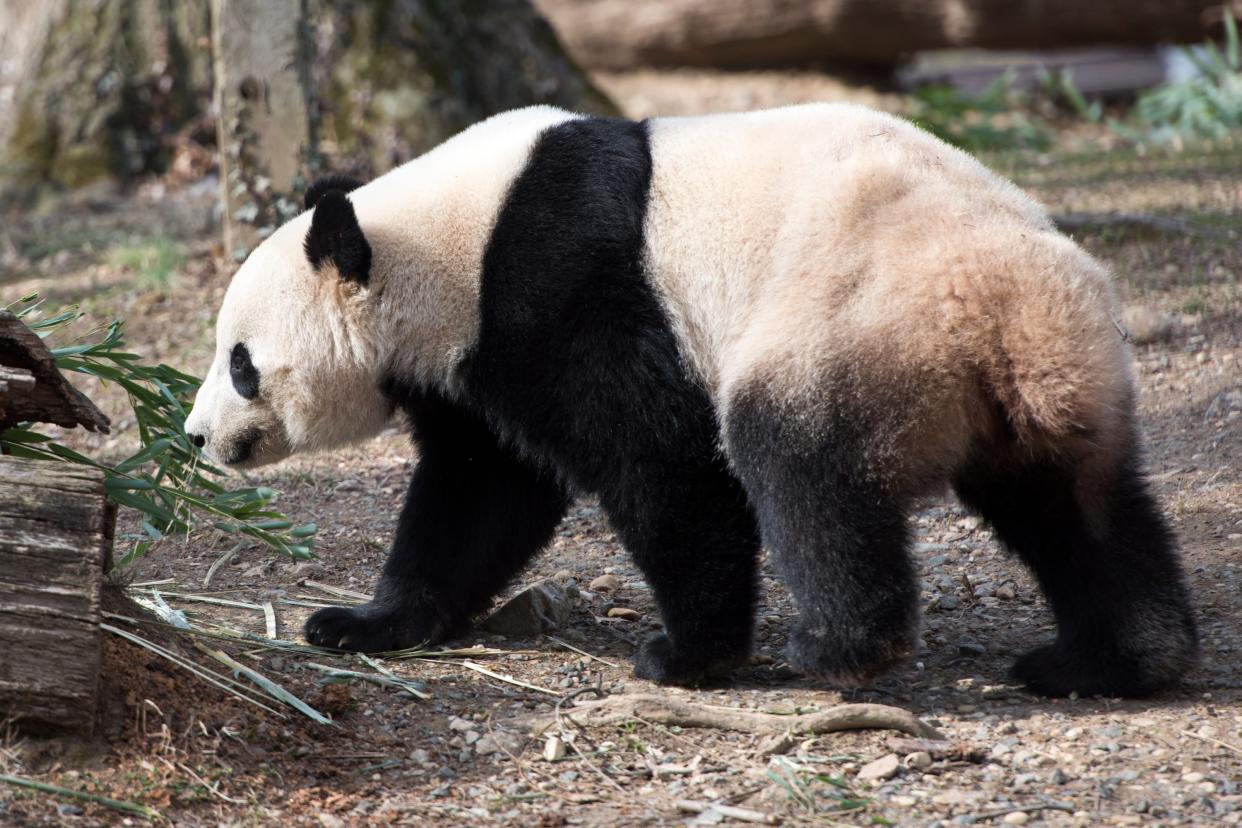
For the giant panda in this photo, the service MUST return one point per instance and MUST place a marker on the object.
(775, 329)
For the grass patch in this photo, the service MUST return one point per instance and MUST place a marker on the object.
(153, 262)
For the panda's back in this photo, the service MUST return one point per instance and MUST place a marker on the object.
(809, 216)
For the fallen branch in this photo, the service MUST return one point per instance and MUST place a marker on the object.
(671, 711)
(968, 819)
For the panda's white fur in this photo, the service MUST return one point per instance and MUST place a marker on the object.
(323, 354)
(778, 326)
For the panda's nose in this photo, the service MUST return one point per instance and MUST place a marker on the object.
(198, 440)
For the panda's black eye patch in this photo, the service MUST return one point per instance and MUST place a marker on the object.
(245, 376)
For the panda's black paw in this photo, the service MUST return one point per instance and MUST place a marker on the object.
(369, 628)
(1057, 670)
(844, 662)
(659, 661)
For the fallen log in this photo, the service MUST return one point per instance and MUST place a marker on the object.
(748, 34)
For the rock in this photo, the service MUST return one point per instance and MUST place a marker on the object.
(625, 613)
(886, 767)
(553, 749)
(541, 607)
(1016, 818)
(1057, 777)
(1223, 403)
(970, 648)
(563, 576)
(605, 583)
(948, 602)
(920, 760)
(330, 821)
(472, 736)
(460, 725)
(1192, 778)
(1006, 593)
(498, 741)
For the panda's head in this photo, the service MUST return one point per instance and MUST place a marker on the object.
(297, 364)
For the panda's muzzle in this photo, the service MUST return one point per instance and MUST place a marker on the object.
(243, 447)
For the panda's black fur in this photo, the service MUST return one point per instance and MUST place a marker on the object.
(576, 384)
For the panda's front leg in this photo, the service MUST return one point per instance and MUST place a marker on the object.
(475, 513)
(688, 526)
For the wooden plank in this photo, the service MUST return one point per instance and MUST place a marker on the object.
(56, 533)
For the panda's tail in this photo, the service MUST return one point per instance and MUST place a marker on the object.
(1057, 363)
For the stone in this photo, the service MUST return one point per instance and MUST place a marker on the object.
(948, 602)
(553, 749)
(970, 648)
(886, 767)
(625, 613)
(605, 583)
(460, 725)
(1016, 818)
(919, 760)
(498, 741)
(541, 607)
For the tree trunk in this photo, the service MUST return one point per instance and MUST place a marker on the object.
(363, 85)
(620, 34)
(56, 530)
(263, 99)
(96, 88)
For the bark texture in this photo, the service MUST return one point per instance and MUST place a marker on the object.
(32, 387)
(56, 531)
(95, 88)
(621, 34)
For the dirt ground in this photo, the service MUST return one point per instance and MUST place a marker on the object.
(202, 757)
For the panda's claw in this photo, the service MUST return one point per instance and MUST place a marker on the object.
(364, 629)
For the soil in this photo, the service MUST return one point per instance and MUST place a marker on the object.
(200, 756)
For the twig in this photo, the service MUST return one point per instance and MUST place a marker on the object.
(219, 562)
(1026, 809)
(571, 647)
(730, 811)
(57, 790)
(479, 668)
(1225, 745)
(339, 592)
(399, 683)
(671, 711)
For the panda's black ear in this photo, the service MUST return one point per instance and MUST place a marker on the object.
(335, 237)
(344, 183)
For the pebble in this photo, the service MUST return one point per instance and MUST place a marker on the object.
(904, 801)
(625, 613)
(1193, 778)
(460, 725)
(971, 648)
(886, 767)
(605, 583)
(1072, 734)
(948, 602)
(553, 749)
(1016, 818)
(919, 760)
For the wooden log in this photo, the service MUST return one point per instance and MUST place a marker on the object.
(748, 34)
(42, 394)
(56, 533)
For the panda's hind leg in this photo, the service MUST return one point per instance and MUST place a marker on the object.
(835, 524)
(1095, 540)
